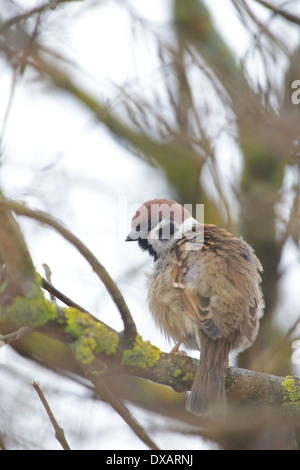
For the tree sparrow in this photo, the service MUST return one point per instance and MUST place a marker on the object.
(203, 292)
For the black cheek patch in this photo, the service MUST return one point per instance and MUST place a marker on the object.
(145, 246)
(167, 232)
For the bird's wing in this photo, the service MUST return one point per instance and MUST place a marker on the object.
(208, 238)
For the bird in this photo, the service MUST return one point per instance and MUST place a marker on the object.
(203, 292)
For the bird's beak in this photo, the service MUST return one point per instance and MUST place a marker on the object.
(133, 236)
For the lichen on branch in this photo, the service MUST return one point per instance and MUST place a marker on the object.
(142, 354)
(90, 337)
(33, 309)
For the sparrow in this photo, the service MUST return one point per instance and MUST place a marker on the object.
(203, 292)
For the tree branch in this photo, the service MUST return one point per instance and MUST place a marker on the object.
(123, 411)
(59, 295)
(14, 254)
(278, 11)
(51, 5)
(16, 335)
(59, 432)
(145, 361)
(130, 331)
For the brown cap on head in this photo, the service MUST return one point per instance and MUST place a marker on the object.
(160, 209)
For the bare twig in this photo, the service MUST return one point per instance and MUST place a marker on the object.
(278, 11)
(59, 432)
(125, 414)
(16, 335)
(48, 282)
(55, 293)
(21, 17)
(129, 326)
(51, 5)
(8, 107)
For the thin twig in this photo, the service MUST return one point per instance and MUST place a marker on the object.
(125, 414)
(59, 432)
(8, 107)
(66, 300)
(16, 335)
(19, 208)
(48, 282)
(21, 17)
(50, 5)
(278, 11)
(59, 295)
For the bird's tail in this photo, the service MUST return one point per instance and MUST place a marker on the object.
(207, 397)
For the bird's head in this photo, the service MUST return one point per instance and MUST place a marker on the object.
(158, 224)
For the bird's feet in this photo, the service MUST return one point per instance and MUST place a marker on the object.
(175, 349)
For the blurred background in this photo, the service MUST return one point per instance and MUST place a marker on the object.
(106, 104)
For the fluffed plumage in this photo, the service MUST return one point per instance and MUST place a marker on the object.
(203, 292)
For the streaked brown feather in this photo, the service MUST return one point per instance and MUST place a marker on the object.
(196, 311)
(177, 275)
(209, 238)
(197, 306)
(250, 323)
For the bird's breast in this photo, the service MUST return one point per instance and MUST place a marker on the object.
(169, 312)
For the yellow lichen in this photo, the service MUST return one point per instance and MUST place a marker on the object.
(188, 377)
(292, 394)
(185, 377)
(91, 337)
(142, 354)
(177, 372)
(33, 309)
